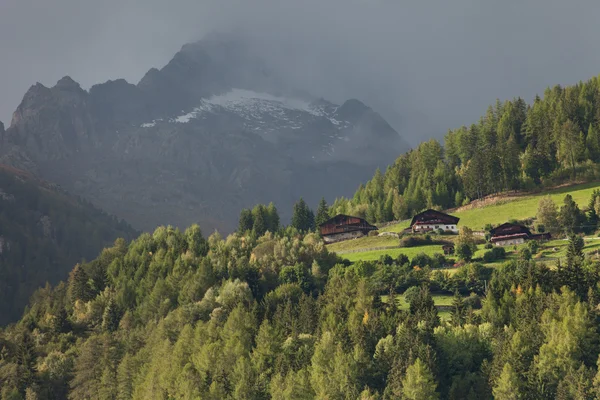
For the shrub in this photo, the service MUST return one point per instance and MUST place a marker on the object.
(489, 246)
(533, 246)
(473, 301)
(411, 293)
(373, 233)
(414, 241)
(402, 259)
(541, 228)
(441, 231)
(499, 253)
(422, 260)
(525, 254)
(488, 257)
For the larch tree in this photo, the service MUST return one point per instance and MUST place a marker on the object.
(418, 383)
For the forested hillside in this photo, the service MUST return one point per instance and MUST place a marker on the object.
(43, 233)
(173, 315)
(513, 146)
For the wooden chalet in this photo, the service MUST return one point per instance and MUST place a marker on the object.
(344, 227)
(430, 220)
(513, 234)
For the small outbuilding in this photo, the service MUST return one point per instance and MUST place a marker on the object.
(430, 220)
(514, 234)
(344, 227)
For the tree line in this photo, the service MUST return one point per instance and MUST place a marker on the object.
(176, 315)
(514, 146)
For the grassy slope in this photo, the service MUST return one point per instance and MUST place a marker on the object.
(476, 218)
(520, 208)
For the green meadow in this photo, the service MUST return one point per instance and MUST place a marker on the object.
(519, 207)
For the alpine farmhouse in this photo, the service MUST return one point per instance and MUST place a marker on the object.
(344, 227)
(430, 220)
(513, 234)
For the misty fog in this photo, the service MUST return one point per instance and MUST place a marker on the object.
(425, 66)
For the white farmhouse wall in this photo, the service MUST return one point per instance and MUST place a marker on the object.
(447, 228)
(338, 237)
(510, 242)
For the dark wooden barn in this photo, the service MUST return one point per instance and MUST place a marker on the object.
(430, 220)
(513, 234)
(343, 227)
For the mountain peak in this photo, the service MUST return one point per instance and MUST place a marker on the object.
(67, 83)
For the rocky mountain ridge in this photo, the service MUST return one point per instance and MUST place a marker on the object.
(211, 132)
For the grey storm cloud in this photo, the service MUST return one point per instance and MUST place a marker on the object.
(426, 66)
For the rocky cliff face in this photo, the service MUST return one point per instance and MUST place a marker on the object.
(211, 132)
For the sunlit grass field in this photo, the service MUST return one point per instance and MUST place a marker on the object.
(521, 208)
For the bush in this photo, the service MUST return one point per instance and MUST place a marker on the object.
(373, 233)
(414, 241)
(473, 301)
(525, 254)
(422, 260)
(411, 293)
(533, 246)
(441, 231)
(541, 228)
(488, 257)
(489, 246)
(497, 253)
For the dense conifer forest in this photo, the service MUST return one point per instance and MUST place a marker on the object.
(513, 146)
(269, 313)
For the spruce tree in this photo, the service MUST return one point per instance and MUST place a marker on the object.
(246, 221)
(458, 310)
(272, 218)
(78, 285)
(570, 215)
(322, 212)
(111, 317)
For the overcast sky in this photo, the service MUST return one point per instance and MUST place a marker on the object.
(426, 66)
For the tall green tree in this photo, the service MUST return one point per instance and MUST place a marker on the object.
(246, 221)
(570, 216)
(419, 383)
(303, 218)
(507, 385)
(322, 212)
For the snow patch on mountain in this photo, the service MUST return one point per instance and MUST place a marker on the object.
(261, 108)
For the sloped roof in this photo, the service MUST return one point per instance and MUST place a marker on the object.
(434, 217)
(510, 229)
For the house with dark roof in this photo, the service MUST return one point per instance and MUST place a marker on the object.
(344, 227)
(514, 234)
(430, 220)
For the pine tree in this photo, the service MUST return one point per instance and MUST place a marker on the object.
(570, 216)
(196, 243)
(458, 310)
(322, 212)
(303, 218)
(273, 220)
(246, 221)
(507, 385)
(111, 317)
(593, 144)
(78, 285)
(419, 384)
(260, 224)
